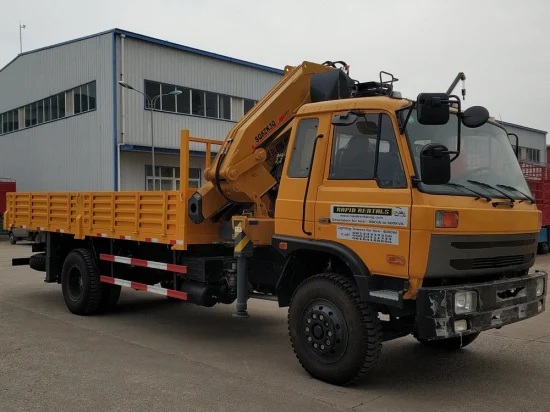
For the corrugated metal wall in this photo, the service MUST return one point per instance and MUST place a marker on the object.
(146, 61)
(74, 153)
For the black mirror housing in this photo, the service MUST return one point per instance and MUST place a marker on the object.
(475, 116)
(432, 108)
(344, 119)
(435, 164)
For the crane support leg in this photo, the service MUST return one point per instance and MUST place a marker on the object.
(243, 251)
(242, 288)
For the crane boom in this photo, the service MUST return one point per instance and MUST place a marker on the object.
(241, 172)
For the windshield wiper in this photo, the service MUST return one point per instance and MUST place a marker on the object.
(479, 195)
(513, 189)
(488, 186)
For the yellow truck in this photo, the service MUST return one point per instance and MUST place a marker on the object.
(370, 216)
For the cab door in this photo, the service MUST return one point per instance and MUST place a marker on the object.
(364, 199)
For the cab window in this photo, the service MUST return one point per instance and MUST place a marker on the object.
(302, 150)
(367, 150)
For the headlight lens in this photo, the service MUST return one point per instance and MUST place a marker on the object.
(540, 286)
(465, 302)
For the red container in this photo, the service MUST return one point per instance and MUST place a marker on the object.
(538, 180)
(6, 186)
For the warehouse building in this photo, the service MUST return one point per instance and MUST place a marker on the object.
(66, 124)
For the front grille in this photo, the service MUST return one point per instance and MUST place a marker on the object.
(493, 244)
(492, 262)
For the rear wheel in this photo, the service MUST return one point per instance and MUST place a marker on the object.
(450, 344)
(37, 237)
(13, 239)
(543, 248)
(336, 336)
(82, 289)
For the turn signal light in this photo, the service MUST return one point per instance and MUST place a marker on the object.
(444, 218)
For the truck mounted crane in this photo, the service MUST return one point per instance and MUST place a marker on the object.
(370, 216)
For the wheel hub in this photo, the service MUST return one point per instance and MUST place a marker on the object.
(324, 331)
(76, 284)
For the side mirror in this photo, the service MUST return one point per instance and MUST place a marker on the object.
(432, 108)
(475, 116)
(435, 164)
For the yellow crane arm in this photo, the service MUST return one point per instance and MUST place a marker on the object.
(240, 173)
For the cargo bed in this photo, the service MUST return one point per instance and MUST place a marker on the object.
(158, 217)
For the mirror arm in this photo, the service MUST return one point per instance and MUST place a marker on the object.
(517, 144)
(459, 121)
(404, 125)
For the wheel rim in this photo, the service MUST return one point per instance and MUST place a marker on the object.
(12, 237)
(324, 331)
(75, 283)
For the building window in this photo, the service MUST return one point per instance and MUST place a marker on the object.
(47, 110)
(76, 102)
(183, 100)
(248, 104)
(40, 111)
(54, 107)
(196, 102)
(92, 96)
(82, 99)
(194, 178)
(168, 177)
(61, 105)
(168, 102)
(211, 104)
(225, 107)
(152, 89)
(528, 154)
(28, 115)
(34, 116)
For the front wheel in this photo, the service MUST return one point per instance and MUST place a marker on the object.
(336, 336)
(13, 239)
(450, 344)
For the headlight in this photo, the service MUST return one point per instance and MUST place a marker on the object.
(540, 286)
(465, 302)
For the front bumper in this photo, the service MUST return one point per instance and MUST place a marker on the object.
(517, 301)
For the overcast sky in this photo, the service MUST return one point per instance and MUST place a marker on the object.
(502, 46)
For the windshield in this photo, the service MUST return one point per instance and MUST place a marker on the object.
(486, 156)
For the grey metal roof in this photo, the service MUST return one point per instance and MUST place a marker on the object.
(518, 126)
(160, 43)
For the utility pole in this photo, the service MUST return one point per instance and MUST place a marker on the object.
(21, 27)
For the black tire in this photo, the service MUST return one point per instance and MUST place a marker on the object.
(37, 238)
(110, 297)
(450, 344)
(13, 239)
(543, 248)
(82, 289)
(329, 305)
(38, 262)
